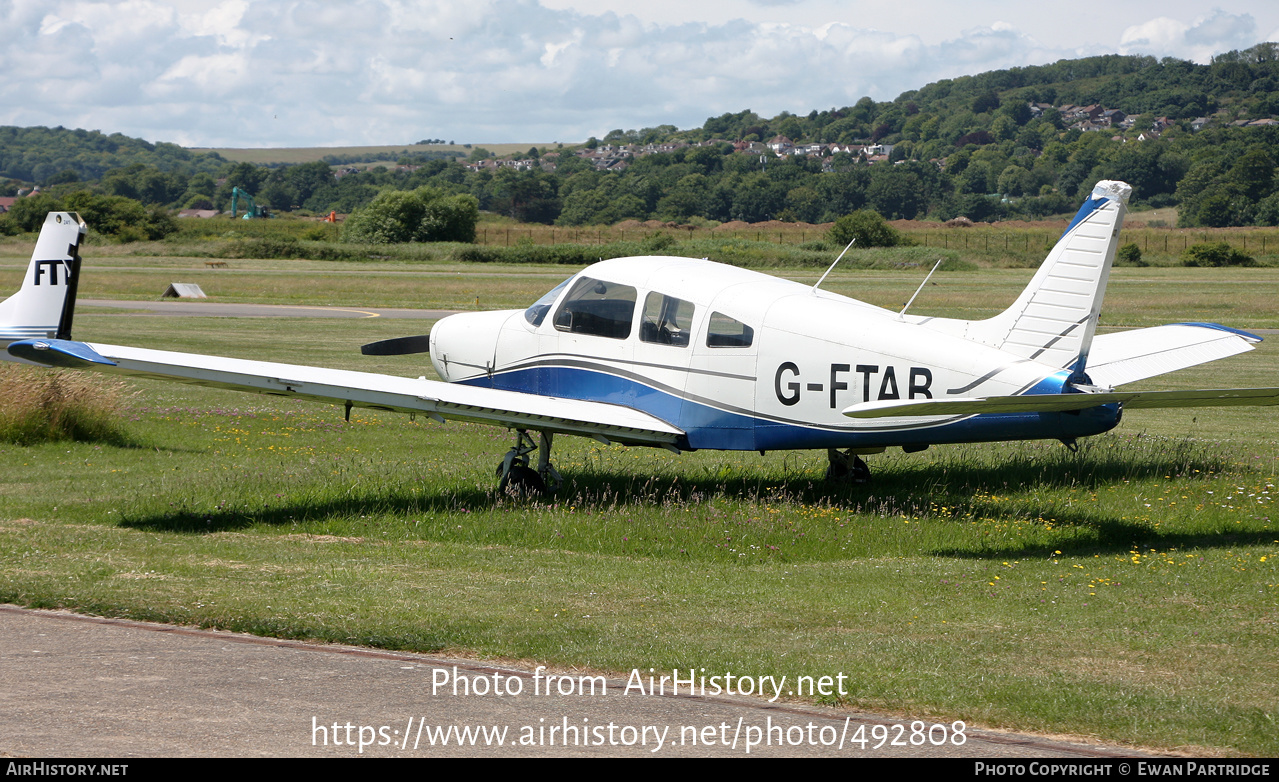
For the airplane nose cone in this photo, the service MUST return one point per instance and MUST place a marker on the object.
(463, 345)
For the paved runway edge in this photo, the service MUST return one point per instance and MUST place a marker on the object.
(210, 309)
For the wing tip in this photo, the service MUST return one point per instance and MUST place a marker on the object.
(58, 353)
(1218, 327)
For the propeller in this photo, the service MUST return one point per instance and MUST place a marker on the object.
(400, 346)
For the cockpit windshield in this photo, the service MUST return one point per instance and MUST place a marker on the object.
(537, 313)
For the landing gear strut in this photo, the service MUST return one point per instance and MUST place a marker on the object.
(846, 467)
(520, 479)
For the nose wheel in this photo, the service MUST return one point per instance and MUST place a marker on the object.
(518, 478)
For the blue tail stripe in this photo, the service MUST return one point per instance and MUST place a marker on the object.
(1087, 208)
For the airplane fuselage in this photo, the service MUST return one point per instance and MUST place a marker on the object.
(688, 354)
(741, 360)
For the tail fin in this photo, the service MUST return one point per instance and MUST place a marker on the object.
(1054, 319)
(45, 304)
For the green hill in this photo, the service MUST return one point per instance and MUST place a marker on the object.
(44, 155)
(1015, 143)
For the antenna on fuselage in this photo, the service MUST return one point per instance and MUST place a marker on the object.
(833, 265)
(920, 288)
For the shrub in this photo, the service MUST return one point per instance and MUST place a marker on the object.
(1129, 255)
(423, 215)
(658, 243)
(819, 246)
(1215, 254)
(569, 254)
(288, 248)
(42, 405)
(27, 214)
(867, 227)
(123, 219)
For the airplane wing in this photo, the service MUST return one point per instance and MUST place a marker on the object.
(1128, 356)
(439, 401)
(1056, 403)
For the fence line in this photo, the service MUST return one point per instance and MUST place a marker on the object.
(1259, 241)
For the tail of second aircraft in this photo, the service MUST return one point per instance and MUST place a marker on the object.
(45, 304)
(1055, 318)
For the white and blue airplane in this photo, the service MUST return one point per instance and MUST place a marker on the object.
(688, 354)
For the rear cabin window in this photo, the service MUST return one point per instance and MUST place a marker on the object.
(598, 308)
(667, 320)
(726, 332)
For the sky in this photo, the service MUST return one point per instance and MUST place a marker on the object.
(217, 73)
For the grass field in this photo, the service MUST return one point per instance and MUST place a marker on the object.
(1135, 296)
(1129, 592)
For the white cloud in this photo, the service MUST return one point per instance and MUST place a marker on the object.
(222, 22)
(307, 72)
(1214, 34)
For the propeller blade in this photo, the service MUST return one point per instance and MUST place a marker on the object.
(400, 346)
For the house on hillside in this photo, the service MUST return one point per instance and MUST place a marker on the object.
(1091, 113)
(1112, 117)
(1087, 126)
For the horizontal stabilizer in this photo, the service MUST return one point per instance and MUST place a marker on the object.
(1058, 403)
(1128, 356)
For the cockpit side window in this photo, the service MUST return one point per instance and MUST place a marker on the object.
(726, 332)
(598, 308)
(537, 313)
(667, 320)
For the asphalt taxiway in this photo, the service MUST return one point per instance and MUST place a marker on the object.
(208, 309)
(80, 686)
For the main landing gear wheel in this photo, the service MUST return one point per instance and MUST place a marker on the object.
(522, 481)
(518, 478)
(846, 467)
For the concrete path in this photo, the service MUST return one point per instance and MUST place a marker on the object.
(76, 686)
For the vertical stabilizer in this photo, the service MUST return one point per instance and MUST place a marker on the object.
(44, 305)
(1054, 319)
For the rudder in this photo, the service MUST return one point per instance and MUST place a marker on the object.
(1055, 317)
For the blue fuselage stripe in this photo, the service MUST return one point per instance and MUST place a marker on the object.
(710, 427)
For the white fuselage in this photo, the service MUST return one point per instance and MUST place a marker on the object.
(809, 355)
